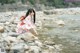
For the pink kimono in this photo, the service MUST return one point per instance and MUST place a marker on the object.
(25, 25)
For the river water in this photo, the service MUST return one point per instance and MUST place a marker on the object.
(68, 35)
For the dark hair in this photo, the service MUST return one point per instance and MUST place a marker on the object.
(30, 11)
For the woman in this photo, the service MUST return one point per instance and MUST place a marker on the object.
(27, 23)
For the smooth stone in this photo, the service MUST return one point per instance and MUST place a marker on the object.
(1, 29)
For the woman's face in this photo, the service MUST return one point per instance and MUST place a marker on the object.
(32, 13)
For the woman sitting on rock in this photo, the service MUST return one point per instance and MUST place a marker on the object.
(27, 23)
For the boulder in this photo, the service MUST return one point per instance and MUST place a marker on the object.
(1, 29)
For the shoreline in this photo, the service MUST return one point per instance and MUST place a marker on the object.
(73, 8)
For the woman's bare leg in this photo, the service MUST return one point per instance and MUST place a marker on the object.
(33, 31)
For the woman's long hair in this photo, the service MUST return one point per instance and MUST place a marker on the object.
(30, 11)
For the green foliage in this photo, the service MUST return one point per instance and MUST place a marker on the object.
(23, 1)
(32, 2)
(54, 3)
(7, 1)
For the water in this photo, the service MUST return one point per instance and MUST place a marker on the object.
(68, 35)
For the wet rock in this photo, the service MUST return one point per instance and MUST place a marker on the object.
(1, 29)
(35, 49)
(76, 30)
(60, 22)
(58, 47)
(47, 12)
(51, 49)
(39, 24)
(38, 43)
(50, 12)
(49, 43)
(54, 48)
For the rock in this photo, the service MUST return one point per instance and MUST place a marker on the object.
(58, 47)
(4, 34)
(1, 24)
(7, 47)
(26, 47)
(45, 51)
(13, 34)
(19, 46)
(60, 22)
(39, 24)
(76, 30)
(7, 23)
(51, 49)
(1, 29)
(54, 48)
(31, 43)
(38, 43)
(48, 12)
(7, 29)
(27, 37)
(49, 43)
(35, 49)
(2, 50)
(26, 51)
(10, 39)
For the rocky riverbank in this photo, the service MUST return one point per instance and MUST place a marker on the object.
(11, 42)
